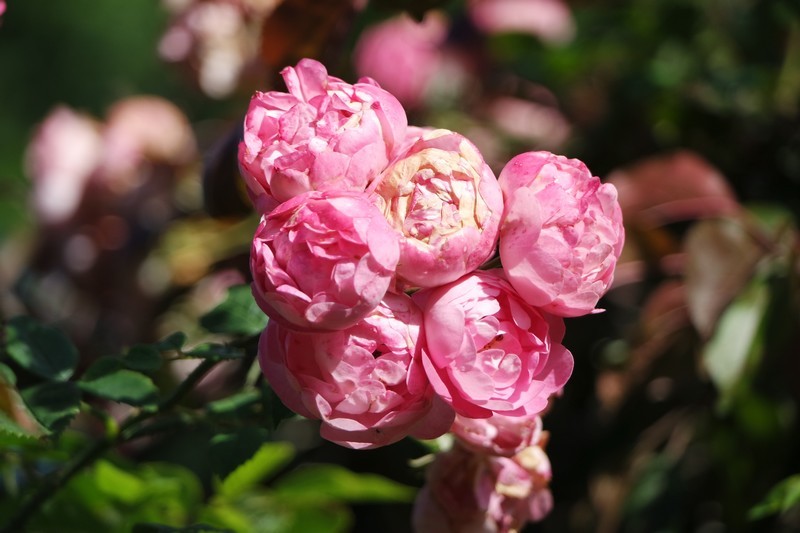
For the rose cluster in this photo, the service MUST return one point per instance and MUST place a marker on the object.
(376, 261)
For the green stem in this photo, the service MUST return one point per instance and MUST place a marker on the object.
(127, 431)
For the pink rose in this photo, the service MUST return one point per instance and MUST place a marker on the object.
(445, 202)
(365, 383)
(489, 351)
(323, 134)
(323, 260)
(498, 434)
(562, 232)
(403, 55)
(469, 491)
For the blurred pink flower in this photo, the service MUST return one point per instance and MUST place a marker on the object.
(490, 352)
(498, 434)
(365, 383)
(550, 20)
(61, 157)
(2, 7)
(143, 128)
(217, 38)
(323, 260)
(445, 202)
(323, 134)
(530, 121)
(473, 492)
(403, 55)
(561, 234)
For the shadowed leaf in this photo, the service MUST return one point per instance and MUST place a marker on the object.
(43, 350)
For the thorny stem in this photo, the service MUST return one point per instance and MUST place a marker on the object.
(127, 431)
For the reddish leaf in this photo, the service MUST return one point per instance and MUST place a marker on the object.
(721, 258)
(672, 188)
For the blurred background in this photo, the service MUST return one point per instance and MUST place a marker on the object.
(122, 218)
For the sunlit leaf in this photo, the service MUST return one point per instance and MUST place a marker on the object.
(736, 338)
(332, 482)
(237, 315)
(268, 459)
(106, 380)
(43, 350)
(230, 450)
(779, 499)
(53, 404)
(111, 479)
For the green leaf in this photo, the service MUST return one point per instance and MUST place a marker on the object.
(331, 482)
(42, 350)
(736, 339)
(172, 342)
(781, 498)
(7, 376)
(235, 404)
(10, 427)
(107, 380)
(143, 357)
(111, 479)
(215, 351)
(53, 404)
(237, 315)
(268, 459)
(230, 450)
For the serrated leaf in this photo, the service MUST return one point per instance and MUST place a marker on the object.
(230, 450)
(10, 427)
(42, 350)
(736, 337)
(174, 341)
(213, 350)
(265, 461)
(237, 315)
(106, 380)
(143, 357)
(331, 482)
(781, 498)
(53, 404)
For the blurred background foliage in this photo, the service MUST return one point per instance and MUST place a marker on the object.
(682, 413)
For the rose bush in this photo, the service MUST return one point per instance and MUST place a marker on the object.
(365, 383)
(490, 352)
(323, 260)
(446, 203)
(324, 134)
(561, 234)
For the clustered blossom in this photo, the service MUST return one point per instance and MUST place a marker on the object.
(372, 260)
